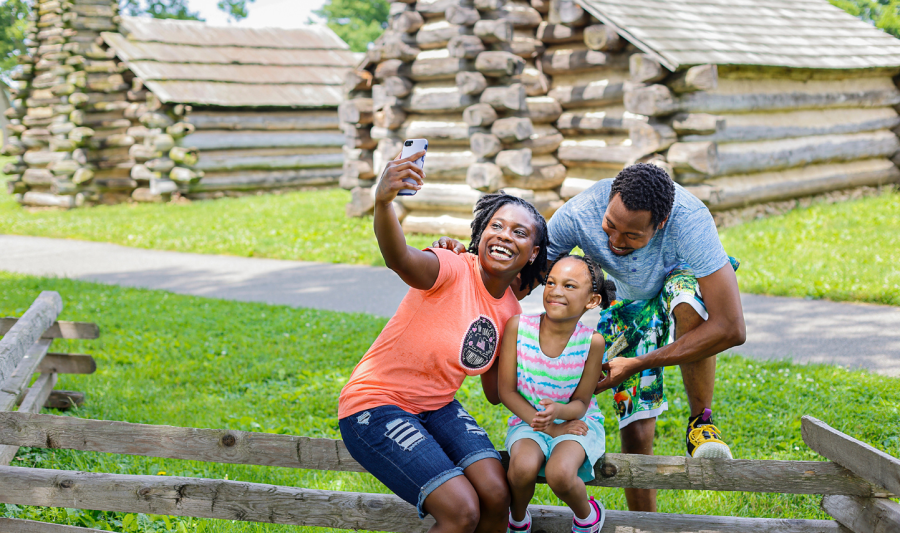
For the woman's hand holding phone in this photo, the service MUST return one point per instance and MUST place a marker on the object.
(392, 180)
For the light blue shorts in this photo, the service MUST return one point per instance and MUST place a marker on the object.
(594, 444)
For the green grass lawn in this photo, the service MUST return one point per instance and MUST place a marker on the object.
(190, 361)
(848, 251)
(306, 226)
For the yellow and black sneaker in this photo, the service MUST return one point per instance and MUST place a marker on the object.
(703, 438)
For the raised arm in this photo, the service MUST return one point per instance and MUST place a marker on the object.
(723, 330)
(417, 268)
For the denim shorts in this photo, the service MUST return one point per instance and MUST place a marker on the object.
(415, 454)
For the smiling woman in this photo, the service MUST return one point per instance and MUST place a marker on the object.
(398, 415)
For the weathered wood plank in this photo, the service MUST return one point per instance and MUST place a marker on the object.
(14, 525)
(863, 515)
(18, 380)
(254, 502)
(739, 475)
(227, 446)
(32, 403)
(857, 456)
(22, 334)
(59, 330)
(214, 445)
(67, 363)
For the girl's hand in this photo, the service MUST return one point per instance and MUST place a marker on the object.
(572, 427)
(449, 243)
(543, 420)
(391, 181)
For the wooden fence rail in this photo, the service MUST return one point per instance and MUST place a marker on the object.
(236, 500)
(855, 484)
(264, 449)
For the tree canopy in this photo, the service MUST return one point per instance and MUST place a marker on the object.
(883, 14)
(357, 22)
(13, 26)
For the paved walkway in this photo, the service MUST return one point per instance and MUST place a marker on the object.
(807, 331)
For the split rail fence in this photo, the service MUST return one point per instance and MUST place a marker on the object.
(856, 483)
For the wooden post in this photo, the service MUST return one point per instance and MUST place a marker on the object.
(27, 330)
(860, 458)
(863, 515)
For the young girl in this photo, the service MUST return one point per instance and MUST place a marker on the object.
(397, 413)
(549, 366)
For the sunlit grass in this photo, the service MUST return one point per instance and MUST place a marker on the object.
(846, 251)
(189, 361)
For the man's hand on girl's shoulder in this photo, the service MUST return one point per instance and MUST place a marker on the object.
(448, 243)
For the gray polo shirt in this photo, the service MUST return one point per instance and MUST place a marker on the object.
(689, 237)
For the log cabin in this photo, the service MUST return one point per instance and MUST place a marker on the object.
(113, 109)
(756, 106)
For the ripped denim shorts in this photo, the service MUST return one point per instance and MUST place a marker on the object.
(415, 454)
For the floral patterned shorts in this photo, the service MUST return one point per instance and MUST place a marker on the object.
(633, 328)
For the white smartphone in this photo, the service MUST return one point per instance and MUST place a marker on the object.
(410, 147)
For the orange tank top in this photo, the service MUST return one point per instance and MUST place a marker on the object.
(436, 339)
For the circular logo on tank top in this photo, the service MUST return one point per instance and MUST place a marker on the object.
(479, 343)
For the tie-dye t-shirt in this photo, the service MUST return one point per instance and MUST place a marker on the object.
(556, 378)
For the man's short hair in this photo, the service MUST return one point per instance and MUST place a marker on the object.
(645, 187)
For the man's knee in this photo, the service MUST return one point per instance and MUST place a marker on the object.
(686, 318)
(637, 437)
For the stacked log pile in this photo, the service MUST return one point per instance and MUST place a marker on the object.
(588, 66)
(244, 151)
(108, 117)
(490, 84)
(746, 139)
(83, 130)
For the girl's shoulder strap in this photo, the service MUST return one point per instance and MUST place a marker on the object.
(530, 325)
(580, 340)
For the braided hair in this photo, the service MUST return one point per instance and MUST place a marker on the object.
(484, 211)
(645, 187)
(606, 288)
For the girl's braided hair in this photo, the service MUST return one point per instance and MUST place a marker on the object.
(484, 210)
(606, 288)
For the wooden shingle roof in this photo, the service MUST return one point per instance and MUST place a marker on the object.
(190, 62)
(779, 33)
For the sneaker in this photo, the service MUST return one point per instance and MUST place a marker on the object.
(598, 523)
(519, 529)
(704, 440)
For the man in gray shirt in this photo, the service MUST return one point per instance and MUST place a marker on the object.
(677, 302)
(660, 246)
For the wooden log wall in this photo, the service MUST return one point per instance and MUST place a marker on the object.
(85, 130)
(475, 79)
(748, 140)
(236, 152)
(68, 130)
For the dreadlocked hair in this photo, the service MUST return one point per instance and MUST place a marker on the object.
(599, 284)
(484, 211)
(645, 187)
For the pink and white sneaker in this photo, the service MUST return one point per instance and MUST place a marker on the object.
(519, 529)
(596, 525)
